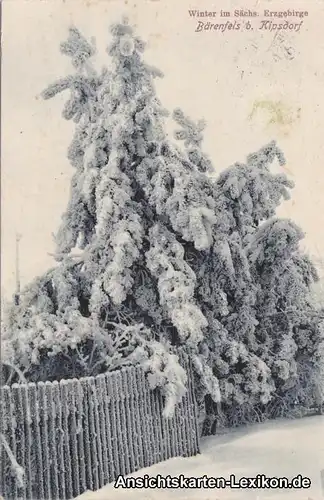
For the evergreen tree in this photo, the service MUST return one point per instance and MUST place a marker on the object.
(169, 259)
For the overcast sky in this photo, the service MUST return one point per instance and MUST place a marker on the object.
(251, 87)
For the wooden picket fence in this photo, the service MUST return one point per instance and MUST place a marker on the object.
(77, 435)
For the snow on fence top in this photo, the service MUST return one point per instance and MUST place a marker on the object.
(80, 434)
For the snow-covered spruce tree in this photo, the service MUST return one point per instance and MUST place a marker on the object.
(168, 256)
(253, 372)
(273, 336)
(131, 292)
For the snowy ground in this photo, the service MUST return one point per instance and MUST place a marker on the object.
(281, 448)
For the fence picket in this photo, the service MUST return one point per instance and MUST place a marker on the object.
(95, 434)
(87, 435)
(129, 417)
(72, 388)
(78, 395)
(111, 402)
(120, 396)
(66, 438)
(92, 434)
(103, 442)
(166, 451)
(147, 420)
(158, 437)
(52, 440)
(106, 430)
(135, 393)
(10, 487)
(142, 415)
(43, 414)
(194, 416)
(59, 438)
(28, 442)
(20, 430)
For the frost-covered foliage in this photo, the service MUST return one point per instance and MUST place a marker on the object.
(169, 258)
(317, 288)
